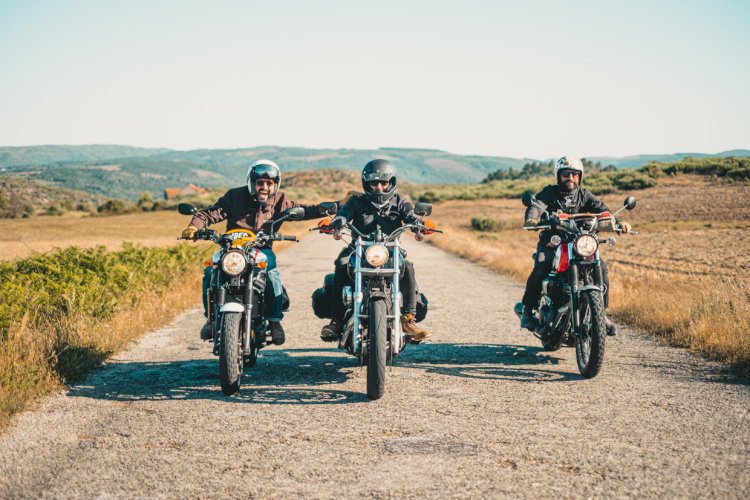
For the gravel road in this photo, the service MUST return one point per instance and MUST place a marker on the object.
(481, 411)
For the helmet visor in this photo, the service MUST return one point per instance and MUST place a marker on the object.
(377, 176)
(265, 170)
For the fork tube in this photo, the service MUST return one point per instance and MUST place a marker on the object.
(573, 278)
(248, 299)
(357, 302)
(396, 328)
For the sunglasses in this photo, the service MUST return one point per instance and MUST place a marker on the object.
(378, 183)
(264, 182)
(568, 173)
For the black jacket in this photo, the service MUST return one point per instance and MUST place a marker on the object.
(364, 215)
(555, 199)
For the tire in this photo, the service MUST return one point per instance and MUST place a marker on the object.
(377, 350)
(230, 354)
(590, 345)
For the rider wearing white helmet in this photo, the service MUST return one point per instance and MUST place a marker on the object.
(569, 197)
(253, 207)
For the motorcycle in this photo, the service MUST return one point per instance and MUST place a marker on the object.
(372, 322)
(237, 295)
(571, 310)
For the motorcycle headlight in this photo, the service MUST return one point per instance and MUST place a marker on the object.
(233, 263)
(376, 255)
(586, 245)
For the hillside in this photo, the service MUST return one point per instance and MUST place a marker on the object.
(126, 172)
(20, 197)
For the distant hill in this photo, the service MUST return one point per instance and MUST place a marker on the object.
(125, 172)
(25, 156)
(20, 197)
(640, 160)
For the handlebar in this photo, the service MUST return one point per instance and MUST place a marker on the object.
(395, 234)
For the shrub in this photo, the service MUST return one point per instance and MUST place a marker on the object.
(484, 224)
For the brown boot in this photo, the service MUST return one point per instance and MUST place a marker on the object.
(277, 332)
(411, 329)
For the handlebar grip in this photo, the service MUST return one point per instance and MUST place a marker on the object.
(288, 238)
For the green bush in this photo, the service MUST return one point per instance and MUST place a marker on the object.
(484, 224)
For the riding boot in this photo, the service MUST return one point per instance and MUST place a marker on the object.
(411, 329)
(528, 322)
(332, 331)
(277, 332)
(611, 327)
(206, 331)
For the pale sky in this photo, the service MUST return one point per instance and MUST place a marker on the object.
(510, 78)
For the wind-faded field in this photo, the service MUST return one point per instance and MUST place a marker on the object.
(684, 277)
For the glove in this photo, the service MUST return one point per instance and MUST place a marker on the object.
(531, 222)
(625, 227)
(189, 232)
(338, 222)
(327, 208)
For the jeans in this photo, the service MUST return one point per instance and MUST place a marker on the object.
(542, 267)
(274, 289)
(407, 285)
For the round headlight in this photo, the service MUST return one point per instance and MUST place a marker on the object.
(233, 263)
(586, 245)
(376, 255)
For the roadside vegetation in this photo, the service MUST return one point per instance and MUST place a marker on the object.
(64, 312)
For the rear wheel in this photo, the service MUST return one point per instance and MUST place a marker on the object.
(590, 345)
(230, 354)
(377, 349)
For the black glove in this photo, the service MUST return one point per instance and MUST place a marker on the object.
(338, 222)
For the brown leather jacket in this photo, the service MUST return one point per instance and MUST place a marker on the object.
(242, 212)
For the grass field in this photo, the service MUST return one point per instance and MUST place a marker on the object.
(683, 278)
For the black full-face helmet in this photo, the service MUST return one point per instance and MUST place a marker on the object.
(263, 169)
(379, 170)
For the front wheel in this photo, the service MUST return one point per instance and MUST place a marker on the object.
(230, 354)
(590, 345)
(377, 333)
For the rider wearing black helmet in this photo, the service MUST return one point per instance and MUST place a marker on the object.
(378, 204)
(253, 207)
(569, 197)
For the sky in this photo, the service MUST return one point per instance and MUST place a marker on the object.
(532, 79)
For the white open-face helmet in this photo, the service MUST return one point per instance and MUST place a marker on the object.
(568, 163)
(263, 169)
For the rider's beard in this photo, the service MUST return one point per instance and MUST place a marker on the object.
(263, 195)
(569, 185)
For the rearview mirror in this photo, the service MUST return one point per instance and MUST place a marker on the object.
(423, 208)
(294, 213)
(186, 209)
(629, 203)
(527, 199)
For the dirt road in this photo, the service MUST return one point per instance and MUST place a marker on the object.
(482, 411)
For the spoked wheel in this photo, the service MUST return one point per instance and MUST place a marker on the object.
(590, 345)
(377, 350)
(230, 354)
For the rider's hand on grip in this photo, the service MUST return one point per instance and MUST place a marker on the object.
(189, 232)
(531, 222)
(325, 225)
(625, 227)
(338, 223)
(428, 225)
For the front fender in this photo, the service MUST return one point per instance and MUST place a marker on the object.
(232, 307)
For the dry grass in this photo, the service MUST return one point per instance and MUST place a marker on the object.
(684, 278)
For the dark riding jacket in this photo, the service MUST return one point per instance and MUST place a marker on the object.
(241, 211)
(555, 199)
(364, 215)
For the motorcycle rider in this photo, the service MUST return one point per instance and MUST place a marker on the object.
(253, 207)
(569, 197)
(378, 204)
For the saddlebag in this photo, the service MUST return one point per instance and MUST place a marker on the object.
(322, 298)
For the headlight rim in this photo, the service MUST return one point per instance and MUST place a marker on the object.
(225, 258)
(582, 238)
(372, 250)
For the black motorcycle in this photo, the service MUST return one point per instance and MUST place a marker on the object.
(372, 326)
(238, 310)
(571, 310)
